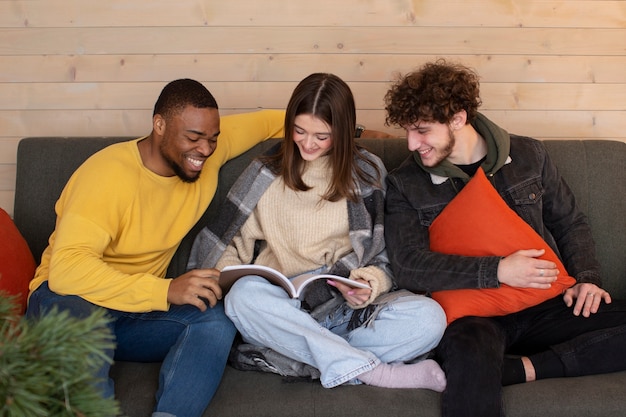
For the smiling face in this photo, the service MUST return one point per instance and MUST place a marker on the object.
(188, 138)
(312, 135)
(433, 141)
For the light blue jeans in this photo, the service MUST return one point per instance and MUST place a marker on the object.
(192, 344)
(266, 316)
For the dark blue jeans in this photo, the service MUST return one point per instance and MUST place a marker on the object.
(193, 346)
(472, 350)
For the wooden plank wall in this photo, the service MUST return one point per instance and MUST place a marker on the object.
(550, 69)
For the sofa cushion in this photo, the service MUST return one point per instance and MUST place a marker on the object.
(478, 222)
(17, 265)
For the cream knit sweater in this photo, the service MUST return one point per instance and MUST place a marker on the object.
(301, 231)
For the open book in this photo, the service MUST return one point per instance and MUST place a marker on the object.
(294, 287)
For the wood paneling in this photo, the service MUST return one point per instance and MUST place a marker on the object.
(368, 95)
(6, 201)
(549, 69)
(7, 177)
(8, 150)
(312, 40)
(322, 13)
(293, 67)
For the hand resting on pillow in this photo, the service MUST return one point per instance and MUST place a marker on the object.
(478, 222)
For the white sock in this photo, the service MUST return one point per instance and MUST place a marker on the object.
(425, 374)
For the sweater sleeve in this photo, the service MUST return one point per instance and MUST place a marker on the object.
(240, 132)
(77, 254)
(376, 278)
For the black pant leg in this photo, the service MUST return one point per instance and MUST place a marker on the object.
(585, 345)
(471, 354)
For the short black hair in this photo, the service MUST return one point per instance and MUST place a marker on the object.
(181, 93)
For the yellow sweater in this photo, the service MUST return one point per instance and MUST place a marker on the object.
(119, 224)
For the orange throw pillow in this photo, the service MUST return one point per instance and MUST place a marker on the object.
(17, 265)
(478, 222)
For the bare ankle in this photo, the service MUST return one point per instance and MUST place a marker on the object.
(529, 369)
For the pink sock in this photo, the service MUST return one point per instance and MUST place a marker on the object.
(425, 374)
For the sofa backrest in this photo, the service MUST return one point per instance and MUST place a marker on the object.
(594, 169)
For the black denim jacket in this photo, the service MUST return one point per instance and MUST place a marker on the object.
(530, 185)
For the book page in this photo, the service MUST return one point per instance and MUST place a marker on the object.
(230, 274)
(294, 287)
(301, 281)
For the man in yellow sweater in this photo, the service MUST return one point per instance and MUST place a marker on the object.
(120, 219)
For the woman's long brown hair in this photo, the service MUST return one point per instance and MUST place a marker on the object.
(328, 98)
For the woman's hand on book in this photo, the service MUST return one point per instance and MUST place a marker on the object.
(354, 296)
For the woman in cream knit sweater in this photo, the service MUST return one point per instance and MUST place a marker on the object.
(315, 204)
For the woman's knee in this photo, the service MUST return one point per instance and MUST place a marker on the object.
(426, 312)
(435, 315)
(245, 294)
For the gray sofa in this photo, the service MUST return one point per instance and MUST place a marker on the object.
(595, 170)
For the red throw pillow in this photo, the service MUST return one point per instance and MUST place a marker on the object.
(17, 265)
(478, 222)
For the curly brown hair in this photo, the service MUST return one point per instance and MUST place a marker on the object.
(433, 93)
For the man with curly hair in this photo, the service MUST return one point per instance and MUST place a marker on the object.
(580, 332)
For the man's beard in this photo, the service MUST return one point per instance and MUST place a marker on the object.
(178, 170)
(180, 173)
(445, 152)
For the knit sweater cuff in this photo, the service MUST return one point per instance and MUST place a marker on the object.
(376, 278)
